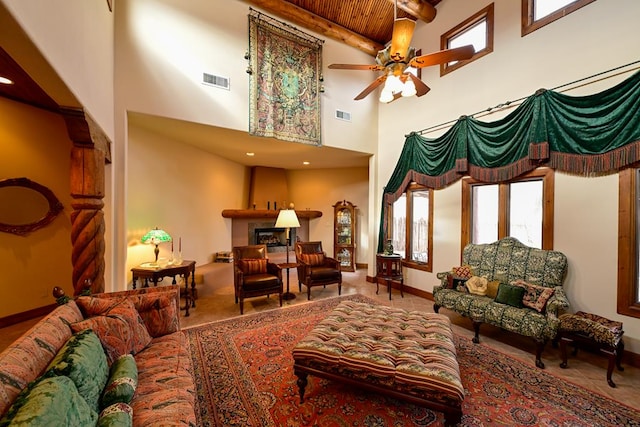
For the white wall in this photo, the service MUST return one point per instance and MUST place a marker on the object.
(600, 36)
(320, 189)
(182, 190)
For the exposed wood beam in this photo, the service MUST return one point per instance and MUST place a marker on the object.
(313, 22)
(417, 8)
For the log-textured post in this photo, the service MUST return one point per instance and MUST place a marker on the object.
(87, 192)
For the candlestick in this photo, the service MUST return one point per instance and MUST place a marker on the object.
(172, 246)
(179, 244)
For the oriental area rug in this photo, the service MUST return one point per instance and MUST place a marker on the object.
(243, 371)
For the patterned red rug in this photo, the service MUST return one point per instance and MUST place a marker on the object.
(243, 371)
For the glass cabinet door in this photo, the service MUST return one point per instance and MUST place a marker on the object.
(343, 228)
(344, 249)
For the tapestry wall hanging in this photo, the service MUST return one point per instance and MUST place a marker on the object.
(284, 88)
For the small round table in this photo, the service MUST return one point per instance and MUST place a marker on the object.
(389, 269)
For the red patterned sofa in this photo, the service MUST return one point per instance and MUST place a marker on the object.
(165, 393)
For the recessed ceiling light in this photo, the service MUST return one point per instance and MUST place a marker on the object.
(306, 163)
(250, 154)
(5, 81)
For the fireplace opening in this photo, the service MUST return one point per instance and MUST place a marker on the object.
(273, 237)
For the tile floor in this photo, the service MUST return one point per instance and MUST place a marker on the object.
(216, 302)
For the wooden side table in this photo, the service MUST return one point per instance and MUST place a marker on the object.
(286, 266)
(147, 271)
(389, 269)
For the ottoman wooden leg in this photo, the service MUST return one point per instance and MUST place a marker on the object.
(302, 383)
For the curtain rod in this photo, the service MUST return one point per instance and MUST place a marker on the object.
(273, 21)
(510, 103)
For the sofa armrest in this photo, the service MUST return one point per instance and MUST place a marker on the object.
(443, 275)
(557, 302)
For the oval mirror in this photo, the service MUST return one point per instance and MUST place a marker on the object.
(26, 206)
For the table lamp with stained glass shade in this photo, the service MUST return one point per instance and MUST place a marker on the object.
(155, 237)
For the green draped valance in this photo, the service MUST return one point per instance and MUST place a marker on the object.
(583, 135)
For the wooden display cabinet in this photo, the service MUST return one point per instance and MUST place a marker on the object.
(344, 244)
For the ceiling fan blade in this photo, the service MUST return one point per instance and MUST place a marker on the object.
(421, 87)
(443, 56)
(356, 67)
(401, 38)
(377, 82)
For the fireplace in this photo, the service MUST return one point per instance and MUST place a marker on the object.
(271, 236)
(266, 234)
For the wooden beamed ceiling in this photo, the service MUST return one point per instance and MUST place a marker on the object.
(364, 24)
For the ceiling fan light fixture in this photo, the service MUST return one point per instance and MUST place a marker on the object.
(409, 88)
(393, 84)
(386, 96)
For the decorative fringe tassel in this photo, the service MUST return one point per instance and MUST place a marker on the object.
(504, 173)
(598, 163)
(539, 151)
(462, 165)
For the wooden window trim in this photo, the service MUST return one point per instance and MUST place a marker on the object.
(529, 25)
(548, 186)
(486, 13)
(627, 244)
(428, 266)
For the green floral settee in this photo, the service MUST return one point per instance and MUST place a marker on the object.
(515, 272)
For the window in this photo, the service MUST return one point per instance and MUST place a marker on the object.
(476, 30)
(538, 13)
(629, 242)
(521, 208)
(412, 227)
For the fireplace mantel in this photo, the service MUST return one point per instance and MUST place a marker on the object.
(264, 213)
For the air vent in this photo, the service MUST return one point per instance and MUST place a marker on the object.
(217, 81)
(343, 115)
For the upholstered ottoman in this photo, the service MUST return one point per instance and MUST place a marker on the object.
(595, 331)
(407, 355)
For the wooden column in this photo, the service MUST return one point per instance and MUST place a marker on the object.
(88, 155)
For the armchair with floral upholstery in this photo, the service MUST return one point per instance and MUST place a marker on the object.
(315, 268)
(254, 275)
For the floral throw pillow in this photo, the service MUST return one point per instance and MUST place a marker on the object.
(535, 296)
(477, 285)
(120, 328)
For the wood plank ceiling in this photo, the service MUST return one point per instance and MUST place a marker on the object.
(363, 24)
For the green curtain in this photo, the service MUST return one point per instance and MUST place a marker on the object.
(594, 134)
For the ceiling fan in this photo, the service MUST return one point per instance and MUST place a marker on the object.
(397, 61)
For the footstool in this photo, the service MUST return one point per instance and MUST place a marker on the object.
(407, 355)
(595, 331)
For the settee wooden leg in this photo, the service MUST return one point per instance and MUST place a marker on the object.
(539, 347)
(476, 329)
